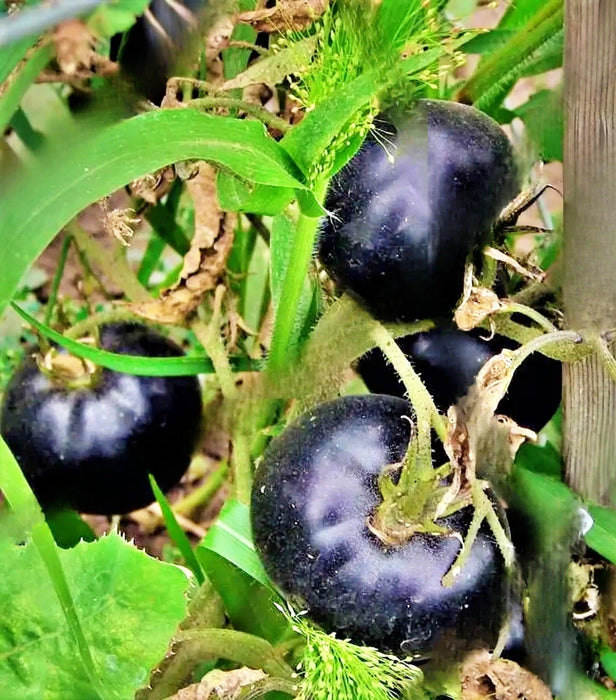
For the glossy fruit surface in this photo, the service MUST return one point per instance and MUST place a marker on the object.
(406, 212)
(448, 361)
(91, 448)
(312, 496)
(151, 50)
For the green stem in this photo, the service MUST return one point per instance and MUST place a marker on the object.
(113, 264)
(202, 494)
(57, 278)
(299, 262)
(233, 103)
(420, 399)
(210, 339)
(92, 323)
(503, 67)
(533, 314)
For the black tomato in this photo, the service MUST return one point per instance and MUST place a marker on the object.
(413, 204)
(91, 448)
(312, 496)
(448, 361)
(151, 50)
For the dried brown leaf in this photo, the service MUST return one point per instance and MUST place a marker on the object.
(205, 262)
(74, 46)
(287, 15)
(476, 307)
(499, 679)
(225, 685)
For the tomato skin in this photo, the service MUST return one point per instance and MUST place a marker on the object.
(311, 498)
(148, 57)
(448, 360)
(399, 232)
(91, 448)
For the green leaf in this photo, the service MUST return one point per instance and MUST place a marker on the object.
(134, 364)
(235, 194)
(231, 538)
(602, 535)
(113, 17)
(129, 603)
(307, 141)
(63, 180)
(230, 561)
(176, 533)
(543, 117)
(68, 528)
(540, 459)
(12, 54)
(608, 661)
(20, 82)
(535, 44)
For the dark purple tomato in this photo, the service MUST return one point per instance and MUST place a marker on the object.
(91, 448)
(312, 496)
(152, 50)
(448, 361)
(410, 208)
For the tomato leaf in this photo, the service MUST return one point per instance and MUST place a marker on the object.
(129, 603)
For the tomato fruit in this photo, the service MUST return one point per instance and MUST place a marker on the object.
(312, 496)
(91, 448)
(149, 51)
(407, 211)
(448, 361)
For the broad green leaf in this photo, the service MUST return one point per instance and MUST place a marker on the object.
(134, 364)
(235, 194)
(230, 561)
(20, 82)
(129, 604)
(602, 536)
(98, 160)
(543, 117)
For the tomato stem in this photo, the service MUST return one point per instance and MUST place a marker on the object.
(297, 269)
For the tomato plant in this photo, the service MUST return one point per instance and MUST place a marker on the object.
(322, 180)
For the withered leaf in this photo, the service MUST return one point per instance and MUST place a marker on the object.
(205, 262)
(499, 679)
(223, 685)
(287, 15)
